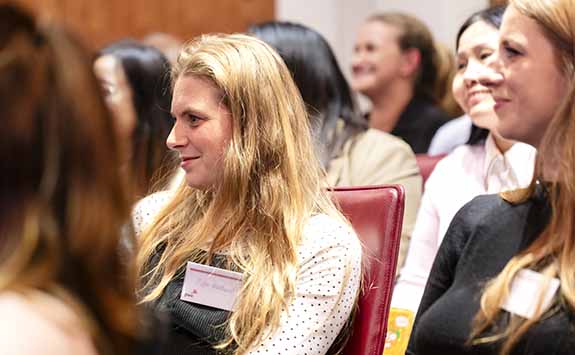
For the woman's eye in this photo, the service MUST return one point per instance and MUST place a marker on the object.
(485, 55)
(461, 65)
(510, 51)
(107, 90)
(193, 120)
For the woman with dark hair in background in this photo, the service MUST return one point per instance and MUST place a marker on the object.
(488, 163)
(64, 288)
(352, 154)
(135, 82)
(396, 65)
(503, 280)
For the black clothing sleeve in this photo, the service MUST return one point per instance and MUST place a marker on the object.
(444, 267)
(482, 238)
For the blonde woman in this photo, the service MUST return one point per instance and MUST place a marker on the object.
(64, 290)
(252, 202)
(503, 280)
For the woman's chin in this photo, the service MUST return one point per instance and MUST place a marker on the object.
(484, 118)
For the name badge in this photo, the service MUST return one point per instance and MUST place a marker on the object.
(525, 290)
(211, 286)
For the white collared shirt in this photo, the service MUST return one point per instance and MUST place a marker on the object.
(467, 172)
(508, 171)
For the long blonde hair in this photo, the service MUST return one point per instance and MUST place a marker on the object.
(63, 199)
(271, 185)
(553, 252)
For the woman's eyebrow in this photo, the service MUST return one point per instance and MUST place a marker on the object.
(189, 111)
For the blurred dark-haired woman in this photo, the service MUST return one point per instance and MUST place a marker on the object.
(135, 83)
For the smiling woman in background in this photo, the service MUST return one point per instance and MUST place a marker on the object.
(488, 163)
(396, 64)
(503, 250)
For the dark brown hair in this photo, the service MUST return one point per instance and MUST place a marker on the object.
(63, 201)
(147, 71)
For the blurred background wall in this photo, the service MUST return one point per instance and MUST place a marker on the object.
(338, 20)
(99, 22)
(102, 21)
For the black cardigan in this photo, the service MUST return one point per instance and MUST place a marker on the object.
(483, 236)
(418, 123)
(194, 328)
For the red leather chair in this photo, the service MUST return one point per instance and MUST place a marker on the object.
(427, 163)
(376, 213)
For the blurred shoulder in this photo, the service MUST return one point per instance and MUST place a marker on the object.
(451, 135)
(146, 210)
(379, 149)
(373, 139)
(463, 160)
(324, 231)
(490, 219)
(477, 218)
(36, 323)
(484, 211)
(464, 152)
(484, 205)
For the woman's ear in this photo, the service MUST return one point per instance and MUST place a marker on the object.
(410, 63)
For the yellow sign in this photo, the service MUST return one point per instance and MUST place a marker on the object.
(399, 326)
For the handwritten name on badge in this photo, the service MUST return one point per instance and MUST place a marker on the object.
(211, 286)
(525, 291)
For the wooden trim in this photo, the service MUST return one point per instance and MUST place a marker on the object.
(99, 22)
(497, 2)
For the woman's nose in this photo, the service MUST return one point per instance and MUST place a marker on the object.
(493, 73)
(481, 73)
(356, 57)
(175, 139)
(471, 73)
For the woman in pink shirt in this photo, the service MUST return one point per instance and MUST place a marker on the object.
(488, 163)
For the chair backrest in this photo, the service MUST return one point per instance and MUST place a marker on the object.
(427, 163)
(376, 213)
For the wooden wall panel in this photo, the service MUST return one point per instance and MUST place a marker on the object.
(497, 2)
(99, 22)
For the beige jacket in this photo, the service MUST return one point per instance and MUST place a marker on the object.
(374, 157)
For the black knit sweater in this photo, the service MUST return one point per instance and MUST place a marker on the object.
(194, 328)
(483, 236)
